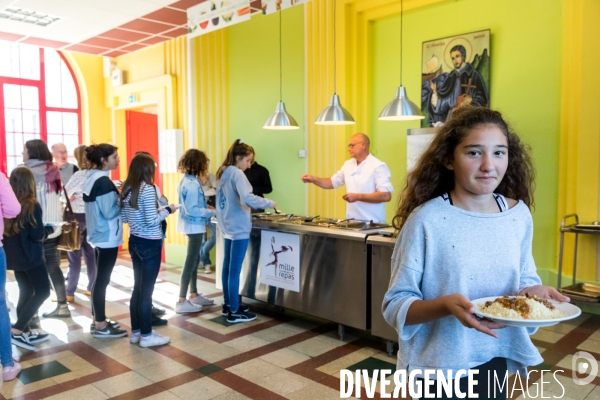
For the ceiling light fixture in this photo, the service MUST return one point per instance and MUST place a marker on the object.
(401, 108)
(29, 16)
(334, 113)
(281, 120)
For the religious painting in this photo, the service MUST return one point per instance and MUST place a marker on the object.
(455, 73)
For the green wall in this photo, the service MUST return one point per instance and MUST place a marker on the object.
(254, 92)
(525, 87)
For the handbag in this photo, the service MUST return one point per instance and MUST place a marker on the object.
(70, 237)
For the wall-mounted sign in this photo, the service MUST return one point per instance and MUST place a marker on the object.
(271, 6)
(280, 260)
(212, 15)
(117, 77)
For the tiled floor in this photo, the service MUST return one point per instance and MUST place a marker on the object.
(277, 356)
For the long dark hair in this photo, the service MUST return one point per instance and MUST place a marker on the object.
(431, 178)
(237, 149)
(141, 169)
(23, 184)
(95, 153)
(193, 162)
(38, 150)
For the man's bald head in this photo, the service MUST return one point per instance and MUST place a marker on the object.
(358, 147)
(60, 154)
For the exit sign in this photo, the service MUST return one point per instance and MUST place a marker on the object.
(132, 98)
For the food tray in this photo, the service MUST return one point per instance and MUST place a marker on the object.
(583, 292)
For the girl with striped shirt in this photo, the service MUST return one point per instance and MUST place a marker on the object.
(140, 209)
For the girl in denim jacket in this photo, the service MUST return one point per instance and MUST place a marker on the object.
(194, 214)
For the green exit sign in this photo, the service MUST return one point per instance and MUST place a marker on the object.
(132, 98)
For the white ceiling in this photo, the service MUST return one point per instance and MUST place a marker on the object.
(79, 19)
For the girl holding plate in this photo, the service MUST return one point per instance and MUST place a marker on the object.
(465, 232)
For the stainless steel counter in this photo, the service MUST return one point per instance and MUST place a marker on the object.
(334, 273)
(381, 254)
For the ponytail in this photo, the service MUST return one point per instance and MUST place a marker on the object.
(96, 152)
(237, 149)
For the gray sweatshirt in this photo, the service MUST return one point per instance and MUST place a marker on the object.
(102, 210)
(443, 250)
(234, 200)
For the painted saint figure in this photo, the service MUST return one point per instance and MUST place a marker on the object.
(462, 86)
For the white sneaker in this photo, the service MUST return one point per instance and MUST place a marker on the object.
(187, 307)
(135, 337)
(154, 340)
(201, 301)
(207, 269)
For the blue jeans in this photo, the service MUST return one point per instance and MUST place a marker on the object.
(208, 244)
(145, 255)
(5, 344)
(234, 253)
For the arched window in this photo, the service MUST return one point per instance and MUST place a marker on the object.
(39, 99)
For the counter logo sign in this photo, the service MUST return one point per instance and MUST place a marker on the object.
(280, 263)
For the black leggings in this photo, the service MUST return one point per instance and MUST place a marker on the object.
(105, 262)
(53, 266)
(497, 365)
(34, 289)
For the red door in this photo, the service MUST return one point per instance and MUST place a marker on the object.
(142, 135)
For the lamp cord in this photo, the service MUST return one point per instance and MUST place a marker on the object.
(280, 61)
(401, 26)
(334, 50)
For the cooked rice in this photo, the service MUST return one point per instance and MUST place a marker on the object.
(537, 309)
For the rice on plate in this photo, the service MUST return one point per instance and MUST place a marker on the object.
(521, 307)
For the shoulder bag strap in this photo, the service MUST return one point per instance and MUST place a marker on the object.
(69, 209)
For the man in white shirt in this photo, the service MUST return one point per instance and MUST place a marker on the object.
(367, 181)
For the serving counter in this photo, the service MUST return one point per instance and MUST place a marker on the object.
(335, 277)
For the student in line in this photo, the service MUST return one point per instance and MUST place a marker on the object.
(192, 219)
(140, 209)
(74, 188)
(23, 240)
(9, 208)
(104, 230)
(464, 216)
(38, 158)
(234, 201)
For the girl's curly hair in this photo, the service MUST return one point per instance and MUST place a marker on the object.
(431, 178)
(194, 162)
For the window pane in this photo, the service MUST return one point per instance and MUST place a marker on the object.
(70, 123)
(13, 120)
(12, 96)
(53, 86)
(14, 143)
(30, 136)
(71, 141)
(13, 162)
(31, 121)
(30, 98)
(54, 139)
(30, 61)
(54, 122)
(9, 62)
(69, 94)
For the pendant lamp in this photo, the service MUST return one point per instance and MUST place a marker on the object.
(334, 113)
(281, 120)
(401, 108)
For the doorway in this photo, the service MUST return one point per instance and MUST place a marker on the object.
(142, 135)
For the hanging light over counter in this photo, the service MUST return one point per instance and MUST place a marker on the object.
(334, 113)
(281, 120)
(401, 108)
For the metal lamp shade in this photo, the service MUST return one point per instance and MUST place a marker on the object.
(335, 114)
(401, 108)
(281, 120)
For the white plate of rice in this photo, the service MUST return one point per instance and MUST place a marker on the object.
(537, 314)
